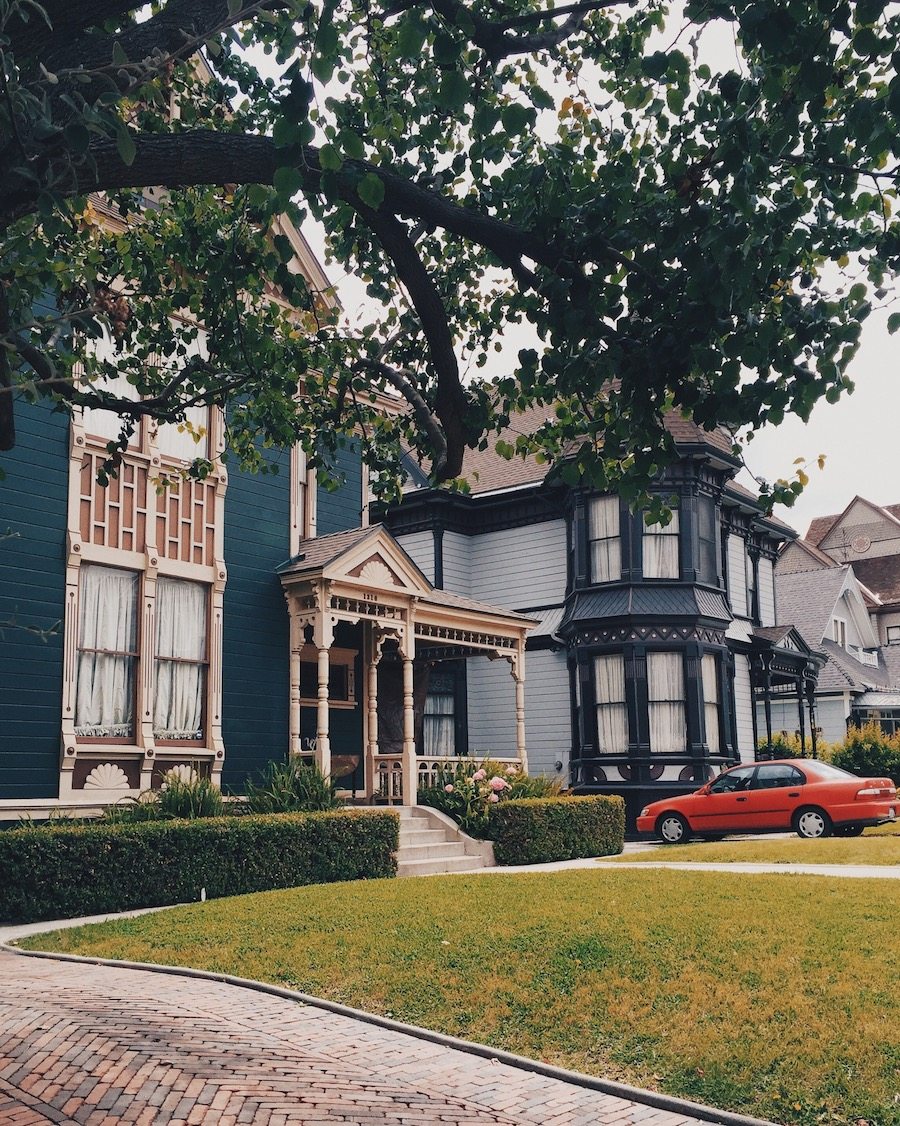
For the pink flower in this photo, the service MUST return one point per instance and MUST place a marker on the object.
(497, 784)
(448, 789)
(512, 770)
(493, 798)
(479, 776)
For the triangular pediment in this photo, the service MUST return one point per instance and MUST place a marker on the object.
(378, 562)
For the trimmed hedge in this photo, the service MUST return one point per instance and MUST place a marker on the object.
(538, 830)
(62, 871)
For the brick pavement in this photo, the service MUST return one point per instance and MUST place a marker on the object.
(102, 1045)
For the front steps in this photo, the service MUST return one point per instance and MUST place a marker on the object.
(432, 844)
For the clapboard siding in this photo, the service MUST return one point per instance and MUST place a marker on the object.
(743, 707)
(33, 499)
(767, 592)
(492, 708)
(737, 576)
(419, 546)
(520, 568)
(831, 718)
(341, 509)
(255, 668)
(457, 555)
(548, 728)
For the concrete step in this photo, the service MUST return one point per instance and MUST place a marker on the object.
(439, 867)
(421, 836)
(438, 850)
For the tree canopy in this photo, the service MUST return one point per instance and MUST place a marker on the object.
(680, 230)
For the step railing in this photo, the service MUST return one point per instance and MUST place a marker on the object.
(430, 769)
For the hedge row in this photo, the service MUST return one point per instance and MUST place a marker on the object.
(64, 871)
(537, 831)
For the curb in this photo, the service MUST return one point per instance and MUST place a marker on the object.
(523, 1063)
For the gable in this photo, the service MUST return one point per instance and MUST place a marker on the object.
(861, 526)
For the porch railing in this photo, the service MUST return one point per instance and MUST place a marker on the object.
(429, 769)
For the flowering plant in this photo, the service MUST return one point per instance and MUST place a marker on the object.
(467, 790)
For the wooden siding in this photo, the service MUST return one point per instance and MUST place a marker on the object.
(33, 500)
(255, 656)
(492, 708)
(419, 546)
(767, 593)
(458, 556)
(743, 708)
(520, 568)
(737, 576)
(548, 725)
(342, 509)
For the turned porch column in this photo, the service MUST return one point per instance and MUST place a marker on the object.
(323, 638)
(408, 653)
(517, 668)
(375, 643)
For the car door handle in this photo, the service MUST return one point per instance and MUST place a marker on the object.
(741, 799)
(794, 794)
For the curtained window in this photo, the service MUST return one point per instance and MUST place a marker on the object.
(708, 541)
(603, 534)
(185, 442)
(712, 708)
(108, 424)
(439, 726)
(752, 586)
(107, 653)
(665, 691)
(612, 715)
(661, 550)
(178, 711)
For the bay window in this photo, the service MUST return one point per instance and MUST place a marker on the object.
(603, 534)
(661, 550)
(612, 714)
(181, 612)
(666, 695)
(709, 671)
(107, 653)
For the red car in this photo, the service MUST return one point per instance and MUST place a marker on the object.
(814, 799)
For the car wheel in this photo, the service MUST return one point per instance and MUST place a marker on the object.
(671, 828)
(812, 823)
(849, 830)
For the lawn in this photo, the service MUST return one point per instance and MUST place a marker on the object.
(770, 995)
(765, 850)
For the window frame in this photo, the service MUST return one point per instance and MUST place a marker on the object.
(204, 664)
(612, 500)
(716, 705)
(839, 627)
(337, 658)
(672, 529)
(667, 701)
(620, 706)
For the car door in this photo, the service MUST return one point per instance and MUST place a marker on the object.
(723, 808)
(775, 792)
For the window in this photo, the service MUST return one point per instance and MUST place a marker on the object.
(839, 631)
(707, 541)
(665, 690)
(341, 678)
(752, 587)
(108, 424)
(185, 442)
(439, 721)
(661, 550)
(612, 715)
(178, 710)
(603, 533)
(733, 781)
(776, 776)
(107, 653)
(709, 666)
(893, 635)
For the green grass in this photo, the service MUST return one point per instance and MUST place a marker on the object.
(763, 850)
(770, 995)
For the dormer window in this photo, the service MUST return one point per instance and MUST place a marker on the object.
(603, 533)
(661, 550)
(839, 632)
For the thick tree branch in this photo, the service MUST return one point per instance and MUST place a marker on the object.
(405, 382)
(65, 20)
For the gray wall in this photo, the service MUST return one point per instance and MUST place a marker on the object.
(743, 705)
(419, 546)
(520, 568)
(456, 552)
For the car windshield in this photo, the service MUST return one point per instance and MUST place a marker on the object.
(830, 771)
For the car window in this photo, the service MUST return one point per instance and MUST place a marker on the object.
(829, 771)
(777, 775)
(738, 779)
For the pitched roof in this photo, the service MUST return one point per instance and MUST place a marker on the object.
(850, 672)
(322, 550)
(806, 599)
(816, 554)
(822, 525)
(739, 492)
(447, 598)
(881, 575)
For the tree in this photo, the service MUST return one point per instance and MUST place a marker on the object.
(678, 235)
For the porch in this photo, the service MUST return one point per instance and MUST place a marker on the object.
(406, 628)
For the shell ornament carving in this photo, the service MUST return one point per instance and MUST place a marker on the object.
(376, 571)
(182, 772)
(107, 776)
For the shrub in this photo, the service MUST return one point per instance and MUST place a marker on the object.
(469, 790)
(189, 797)
(64, 871)
(868, 751)
(536, 831)
(292, 787)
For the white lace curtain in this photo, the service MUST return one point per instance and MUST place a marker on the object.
(661, 550)
(107, 645)
(180, 659)
(665, 689)
(711, 714)
(438, 730)
(612, 717)
(603, 533)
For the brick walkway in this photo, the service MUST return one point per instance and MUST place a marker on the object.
(100, 1045)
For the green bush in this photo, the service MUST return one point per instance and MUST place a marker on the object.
(539, 830)
(469, 790)
(292, 787)
(868, 751)
(65, 871)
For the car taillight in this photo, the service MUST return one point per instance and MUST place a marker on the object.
(876, 792)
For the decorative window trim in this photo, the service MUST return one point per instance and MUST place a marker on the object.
(303, 499)
(658, 533)
(615, 711)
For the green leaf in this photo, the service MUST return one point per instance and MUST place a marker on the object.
(287, 181)
(516, 118)
(411, 37)
(655, 65)
(454, 90)
(330, 158)
(126, 146)
(370, 190)
(118, 54)
(352, 144)
(893, 322)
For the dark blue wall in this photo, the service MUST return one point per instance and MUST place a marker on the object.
(33, 500)
(256, 644)
(341, 509)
